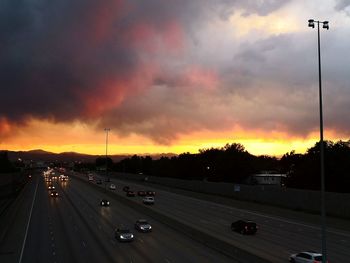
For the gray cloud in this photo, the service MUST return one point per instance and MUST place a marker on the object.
(62, 60)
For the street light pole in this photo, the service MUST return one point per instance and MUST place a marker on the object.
(106, 130)
(323, 205)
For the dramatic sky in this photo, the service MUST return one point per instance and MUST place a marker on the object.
(171, 76)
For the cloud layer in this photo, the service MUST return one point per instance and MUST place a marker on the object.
(165, 68)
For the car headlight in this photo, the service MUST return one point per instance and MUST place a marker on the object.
(107, 203)
(132, 236)
(142, 227)
(150, 227)
(122, 237)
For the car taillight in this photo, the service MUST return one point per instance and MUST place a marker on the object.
(246, 227)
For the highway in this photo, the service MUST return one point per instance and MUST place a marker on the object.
(73, 227)
(277, 237)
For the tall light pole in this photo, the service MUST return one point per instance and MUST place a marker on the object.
(106, 130)
(323, 205)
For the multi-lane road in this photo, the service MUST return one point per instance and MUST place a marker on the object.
(277, 237)
(74, 228)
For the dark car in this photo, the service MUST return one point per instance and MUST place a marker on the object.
(123, 234)
(126, 188)
(54, 193)
(130, 193)
(141, 193)
(244, 227)
(104, 202)
(98, 181)
(150, 193)
(143, 226)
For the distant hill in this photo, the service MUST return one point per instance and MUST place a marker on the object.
(41, 155)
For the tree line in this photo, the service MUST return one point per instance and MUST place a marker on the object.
(233, 163)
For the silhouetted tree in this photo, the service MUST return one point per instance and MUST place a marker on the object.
(5, 165)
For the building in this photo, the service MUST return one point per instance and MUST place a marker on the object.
(268, 178)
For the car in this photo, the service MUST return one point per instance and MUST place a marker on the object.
(123, 234)
(307, 257)
(130, 193)
(98, 181)
(91, 178)
(112, 187)
(53, 193)
(143, 226)
(148, 200)
(104, 202)
(63, 178)
(51, 187)
(141, 193)
(244, 227)
(150, 193)
(126, 188)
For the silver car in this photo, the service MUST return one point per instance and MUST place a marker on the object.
(143, 226)
(306, 257)
(148, 200)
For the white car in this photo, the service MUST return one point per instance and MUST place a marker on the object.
(306, 257)
(112, 187)
(148, 200)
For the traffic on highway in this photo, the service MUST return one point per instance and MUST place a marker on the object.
(76, 217)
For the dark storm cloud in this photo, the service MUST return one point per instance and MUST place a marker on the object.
(56, 53)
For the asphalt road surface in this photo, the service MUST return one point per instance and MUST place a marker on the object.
(277, 236)
(73, 227)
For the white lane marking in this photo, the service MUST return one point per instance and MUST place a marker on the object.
(84, 244)
(54, 253)
(30, 217)
(293, 222)
(167, 260)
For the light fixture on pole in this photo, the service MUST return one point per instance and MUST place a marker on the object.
(106, 130)
(325, 24)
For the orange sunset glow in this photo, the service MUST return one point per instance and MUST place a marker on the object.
(172, 80)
